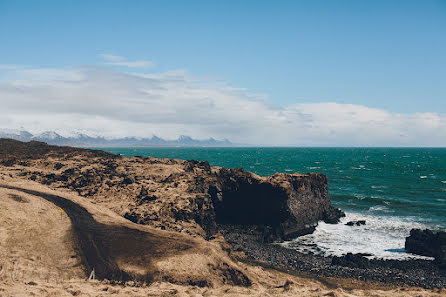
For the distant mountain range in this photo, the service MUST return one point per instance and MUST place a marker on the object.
(83, 140)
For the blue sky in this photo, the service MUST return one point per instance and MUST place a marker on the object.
(385, 55)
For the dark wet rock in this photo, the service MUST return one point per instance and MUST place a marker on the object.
(351, 260)
(420, 273)
(428, 243)
(333, 215)
(355, 223)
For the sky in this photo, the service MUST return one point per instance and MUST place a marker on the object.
(300, 73)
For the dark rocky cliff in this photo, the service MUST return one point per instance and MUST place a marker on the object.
(287, 205)
(185, 196)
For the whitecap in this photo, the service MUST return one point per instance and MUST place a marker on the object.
(288, 170)
(379, 208)
(382, 237)
(423, 176)
(360, 197)
(314, 167)
(443, 181)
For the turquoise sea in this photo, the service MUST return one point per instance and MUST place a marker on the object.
(394, 189)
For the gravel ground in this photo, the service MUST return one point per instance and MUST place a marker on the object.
(419, 273)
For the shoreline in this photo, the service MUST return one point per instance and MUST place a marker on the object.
(180, 206)
(413, 273)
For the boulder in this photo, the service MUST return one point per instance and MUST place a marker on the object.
(427, 243)
(355, 223)
(352, 260)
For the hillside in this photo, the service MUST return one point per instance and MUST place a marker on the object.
(63, 214)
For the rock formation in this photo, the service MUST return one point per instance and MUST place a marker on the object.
(427, 243)
(186, 196)
(355, 223)
(289, 205)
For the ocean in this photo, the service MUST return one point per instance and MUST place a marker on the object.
(393, 189)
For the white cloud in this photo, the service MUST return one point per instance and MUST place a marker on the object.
(113, 58)
(101, 100)
(122, 61)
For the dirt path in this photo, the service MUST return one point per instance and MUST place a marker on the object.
(104, 247)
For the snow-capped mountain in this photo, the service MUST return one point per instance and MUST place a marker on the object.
(83, 140)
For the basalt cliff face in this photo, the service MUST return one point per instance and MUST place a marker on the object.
(185, 196)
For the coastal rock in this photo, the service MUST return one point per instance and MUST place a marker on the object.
(427, 243)
(355, 223)
(187, 196)
(352, 260)
(287, 205)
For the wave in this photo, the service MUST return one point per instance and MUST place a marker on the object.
(383, 237)
(379, 208)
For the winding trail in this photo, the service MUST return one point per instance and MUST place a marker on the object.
(106, 248)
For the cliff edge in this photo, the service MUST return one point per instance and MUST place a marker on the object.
(177, 195)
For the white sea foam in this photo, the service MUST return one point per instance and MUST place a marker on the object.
(423, 176)
(443, 181)
(382, 237)
(379, 208)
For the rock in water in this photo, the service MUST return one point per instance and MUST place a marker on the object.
(357, 223)
(427, 243)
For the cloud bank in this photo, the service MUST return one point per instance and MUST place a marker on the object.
(112, 103)
(121, 61)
